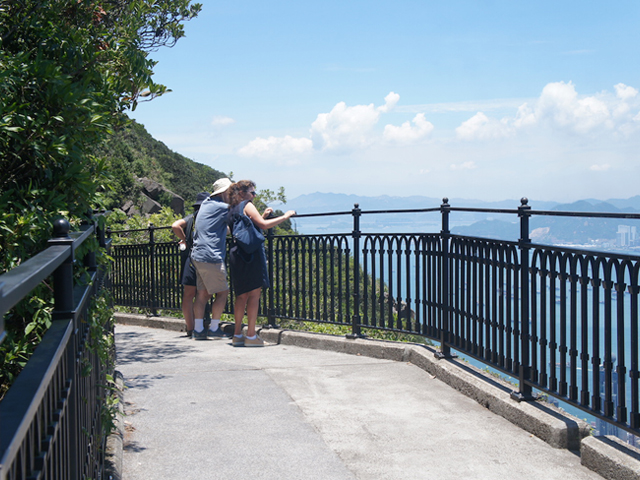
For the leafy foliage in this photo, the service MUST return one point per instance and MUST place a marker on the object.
(69, 70)
(136, 227)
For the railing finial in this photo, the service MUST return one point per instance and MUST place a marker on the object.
(524, 201)
(61, 228)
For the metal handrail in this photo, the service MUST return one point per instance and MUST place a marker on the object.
(52, 401)
(475, 296)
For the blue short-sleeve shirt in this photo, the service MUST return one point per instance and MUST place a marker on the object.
(209, 239)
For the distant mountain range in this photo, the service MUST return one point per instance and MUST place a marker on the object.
(328, 202)
(333, 202)
(555, 230)
(543, 229)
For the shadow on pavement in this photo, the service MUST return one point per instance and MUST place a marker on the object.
(141, 347)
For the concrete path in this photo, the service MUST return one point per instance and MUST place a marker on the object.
(205, 410)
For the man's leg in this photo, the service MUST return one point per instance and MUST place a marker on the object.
(202, 297)
(211, 278)
(217, 308)
(188, 296)
(218, 305)
(189, 282)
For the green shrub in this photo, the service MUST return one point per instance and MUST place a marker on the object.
(69, 69)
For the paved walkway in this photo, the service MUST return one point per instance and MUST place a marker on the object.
(205, 410)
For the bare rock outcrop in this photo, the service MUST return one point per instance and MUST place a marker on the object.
(152, 194)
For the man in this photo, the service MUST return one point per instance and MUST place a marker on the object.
(183, 229)
(208, 254)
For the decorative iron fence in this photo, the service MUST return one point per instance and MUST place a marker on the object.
(51, 415)
(563, 321)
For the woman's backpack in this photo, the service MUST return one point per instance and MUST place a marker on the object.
(245, 234)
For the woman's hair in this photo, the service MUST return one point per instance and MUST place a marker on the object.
(238, 189)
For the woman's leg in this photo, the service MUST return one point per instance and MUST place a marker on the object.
(253, 304)
(238, 311)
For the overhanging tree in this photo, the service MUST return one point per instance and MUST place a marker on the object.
(69, 70)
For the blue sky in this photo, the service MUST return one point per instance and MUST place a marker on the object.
(485, 100)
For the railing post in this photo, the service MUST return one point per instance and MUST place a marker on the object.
(445, 301)
(63, 275)
(271, 308)
(525, 391)
(100, 233)
(355, 319)
(89, 259)
(152, 271)
(63, 311)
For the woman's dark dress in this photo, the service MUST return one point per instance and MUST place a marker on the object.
(248, 270)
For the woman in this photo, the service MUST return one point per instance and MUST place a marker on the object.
(249, 271)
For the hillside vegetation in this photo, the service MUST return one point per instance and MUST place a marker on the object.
(133, 153)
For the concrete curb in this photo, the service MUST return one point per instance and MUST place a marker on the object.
(557, 428)
(138, 320)
(610, 459)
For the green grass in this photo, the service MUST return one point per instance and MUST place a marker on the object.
(342, 330)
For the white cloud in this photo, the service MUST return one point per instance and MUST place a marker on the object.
(560, 108)
(600, 168)
(390, 102)
(626, 97)
(347, 128)
(481, 127)
(343, 130)
(624, 92)
(524, 117)
(221, 121)
(276, 147)
(464, 166)
(406, 133)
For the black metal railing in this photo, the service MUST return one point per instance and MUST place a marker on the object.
(563, 321)
(51, 415)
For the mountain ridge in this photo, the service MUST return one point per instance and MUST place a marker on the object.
(319, 202)
(543, 228)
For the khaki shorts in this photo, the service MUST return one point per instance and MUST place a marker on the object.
(212, 277)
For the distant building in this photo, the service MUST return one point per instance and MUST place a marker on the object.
(627, 235)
